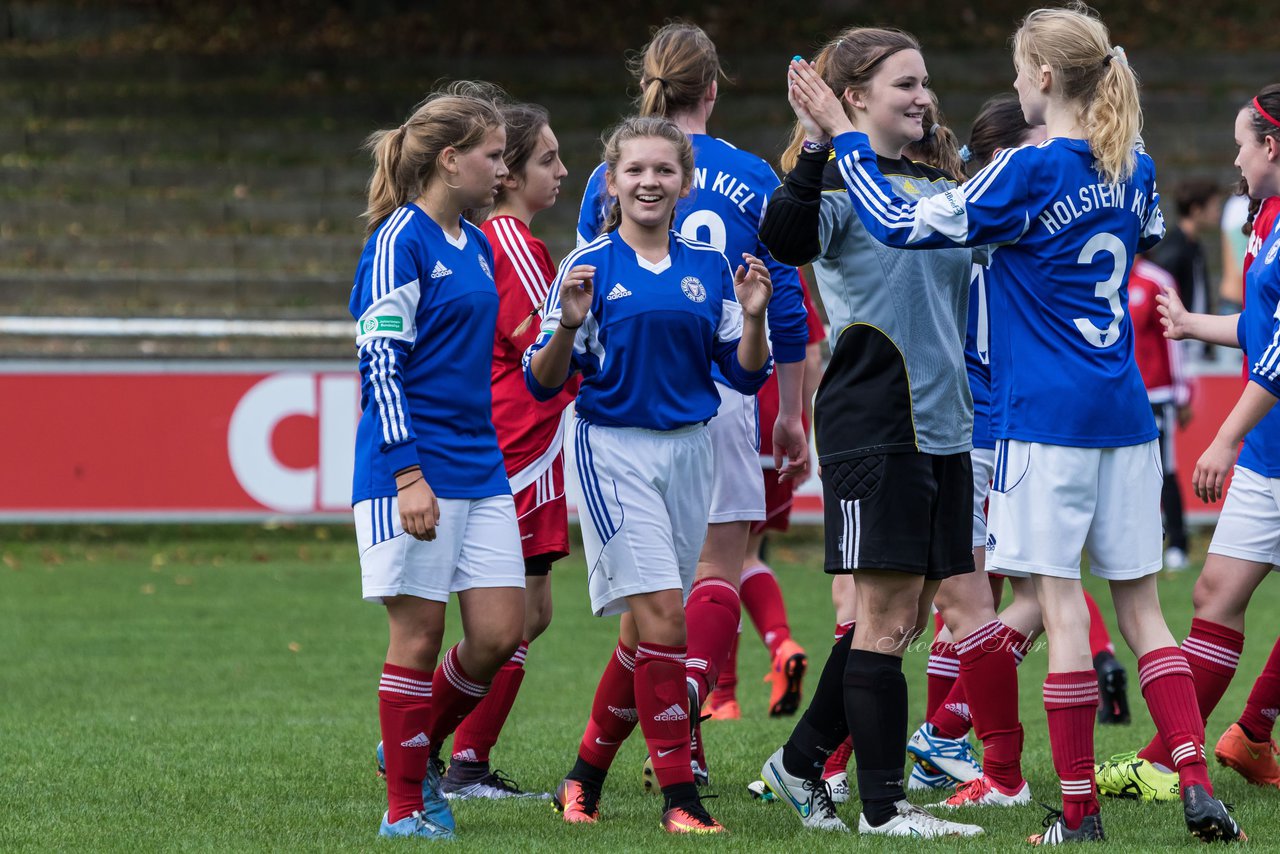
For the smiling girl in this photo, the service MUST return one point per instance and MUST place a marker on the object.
(645, 314)
(433, 508)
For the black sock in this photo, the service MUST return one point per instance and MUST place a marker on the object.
(823, 726)
(875, 700)
(1246, 732)
(1102, 658)
(586, 773)
(680, 795)
(463, 769)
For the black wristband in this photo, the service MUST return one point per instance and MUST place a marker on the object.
(567, 326)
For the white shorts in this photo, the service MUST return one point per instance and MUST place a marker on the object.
(737, 486)
(1050, 502)
(1249, 527)
(477, 544)
(984, 462)
(642, 496)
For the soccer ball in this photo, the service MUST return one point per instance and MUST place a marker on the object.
(648, 779)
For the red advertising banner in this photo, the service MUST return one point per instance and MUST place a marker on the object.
(255, 440)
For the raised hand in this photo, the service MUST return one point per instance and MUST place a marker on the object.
(814, 102)
(576, 289)
(1173, 314)
(752, 285)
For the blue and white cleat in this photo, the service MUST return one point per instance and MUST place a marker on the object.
(434, 804)
(951, 756)
(922, 778)
(415, 825)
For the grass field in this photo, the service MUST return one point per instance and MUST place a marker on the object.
(214, 688)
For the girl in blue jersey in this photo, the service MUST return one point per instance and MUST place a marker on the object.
(1077, 464)
(433, 508)
(1246, 542)
(679, 75)
(646, 314)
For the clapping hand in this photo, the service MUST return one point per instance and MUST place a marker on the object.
(752, 285)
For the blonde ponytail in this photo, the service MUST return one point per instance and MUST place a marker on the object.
(675, 69)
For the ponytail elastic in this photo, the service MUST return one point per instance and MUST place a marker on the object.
(966, 154)
(1258, 106)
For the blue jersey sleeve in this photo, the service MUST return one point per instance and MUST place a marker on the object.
(725, 344)
(581, 360)
(1153, 224)
(1265, 371)
(384, 302)
(788, 319)
(990, 208)
(595, 203)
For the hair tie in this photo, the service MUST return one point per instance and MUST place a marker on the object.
(932, 131)
(1115, 52)
(965, 154)
(658, 80)
(1258, 106)
(404, 127)
(1106, 60)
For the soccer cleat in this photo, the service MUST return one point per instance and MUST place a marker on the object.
(838, 785)
(461, 783)
(760, 792)
(1057, 833)
(951, 756)
(1208, 818)
(690, 818)
(1113, 682)
(982, 792)
(1254, 760)
(1175, 559)
(697, 751)
(577, 802)
(910, 820)
(649, 777)
(922, 778)
(721, 709)
(1126, 776)
(434, 805)
(415, 825)
(786, 674)
(811, 799)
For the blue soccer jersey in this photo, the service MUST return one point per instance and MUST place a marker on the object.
(1063, 369)
(1259, 334)
(977, 358)
(724, 207)
(426, 308)
(654, 332)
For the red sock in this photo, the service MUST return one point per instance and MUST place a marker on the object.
(762, 600)
(1170, 691)
(613, 711)
(1099, 637)
(727, 682)
(1070, 703)
(990, 674)
(941, 675)
(838, 762)
(952, 718)
(663, 703)
(478, 732)
(844, 628)
(1259, 717)
(711, 617)
(404, 711)
(1213, 653)
(454, 694)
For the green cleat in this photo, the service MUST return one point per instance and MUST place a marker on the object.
(1126, 776)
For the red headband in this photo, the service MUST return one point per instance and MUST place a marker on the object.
(1265, 114)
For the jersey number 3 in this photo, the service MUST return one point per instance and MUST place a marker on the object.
(1108, 289)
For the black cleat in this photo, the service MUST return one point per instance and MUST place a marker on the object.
(1208, 818)
(1113, 683)
(1057, 833)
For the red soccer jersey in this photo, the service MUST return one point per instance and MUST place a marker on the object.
(1159, 359)
(1263, 224)
(528, 431)
(767, 397)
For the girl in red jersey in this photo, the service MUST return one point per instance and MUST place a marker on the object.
(529, 432)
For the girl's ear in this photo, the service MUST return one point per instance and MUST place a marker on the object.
(511, 182)
(448, 160)
(609, 185)
(853, 99)
(1046, 78)
(1273, 147)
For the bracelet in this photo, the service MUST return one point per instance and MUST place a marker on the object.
(814, 147)
(409, 484)
(567, 326)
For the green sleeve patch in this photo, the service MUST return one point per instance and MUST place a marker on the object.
(382, 324)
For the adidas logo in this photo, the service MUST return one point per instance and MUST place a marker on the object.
(618, 292)
(960, 710)
(439, 271)
(991, 542)
(674, 712)
(631, 715)
(467, 755)
(419, 740)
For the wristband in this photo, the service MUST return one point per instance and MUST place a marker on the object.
(811, 147)
(409, 484)
(567, 326)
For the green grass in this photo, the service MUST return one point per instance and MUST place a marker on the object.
(215, 688)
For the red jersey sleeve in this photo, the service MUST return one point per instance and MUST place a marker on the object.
(813, 320)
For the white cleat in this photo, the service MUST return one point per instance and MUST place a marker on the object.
(811, 799)
(913, 821)
(922, 780)
(838, 784)
(952, 756)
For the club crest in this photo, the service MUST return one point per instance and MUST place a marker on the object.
(693, 288)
